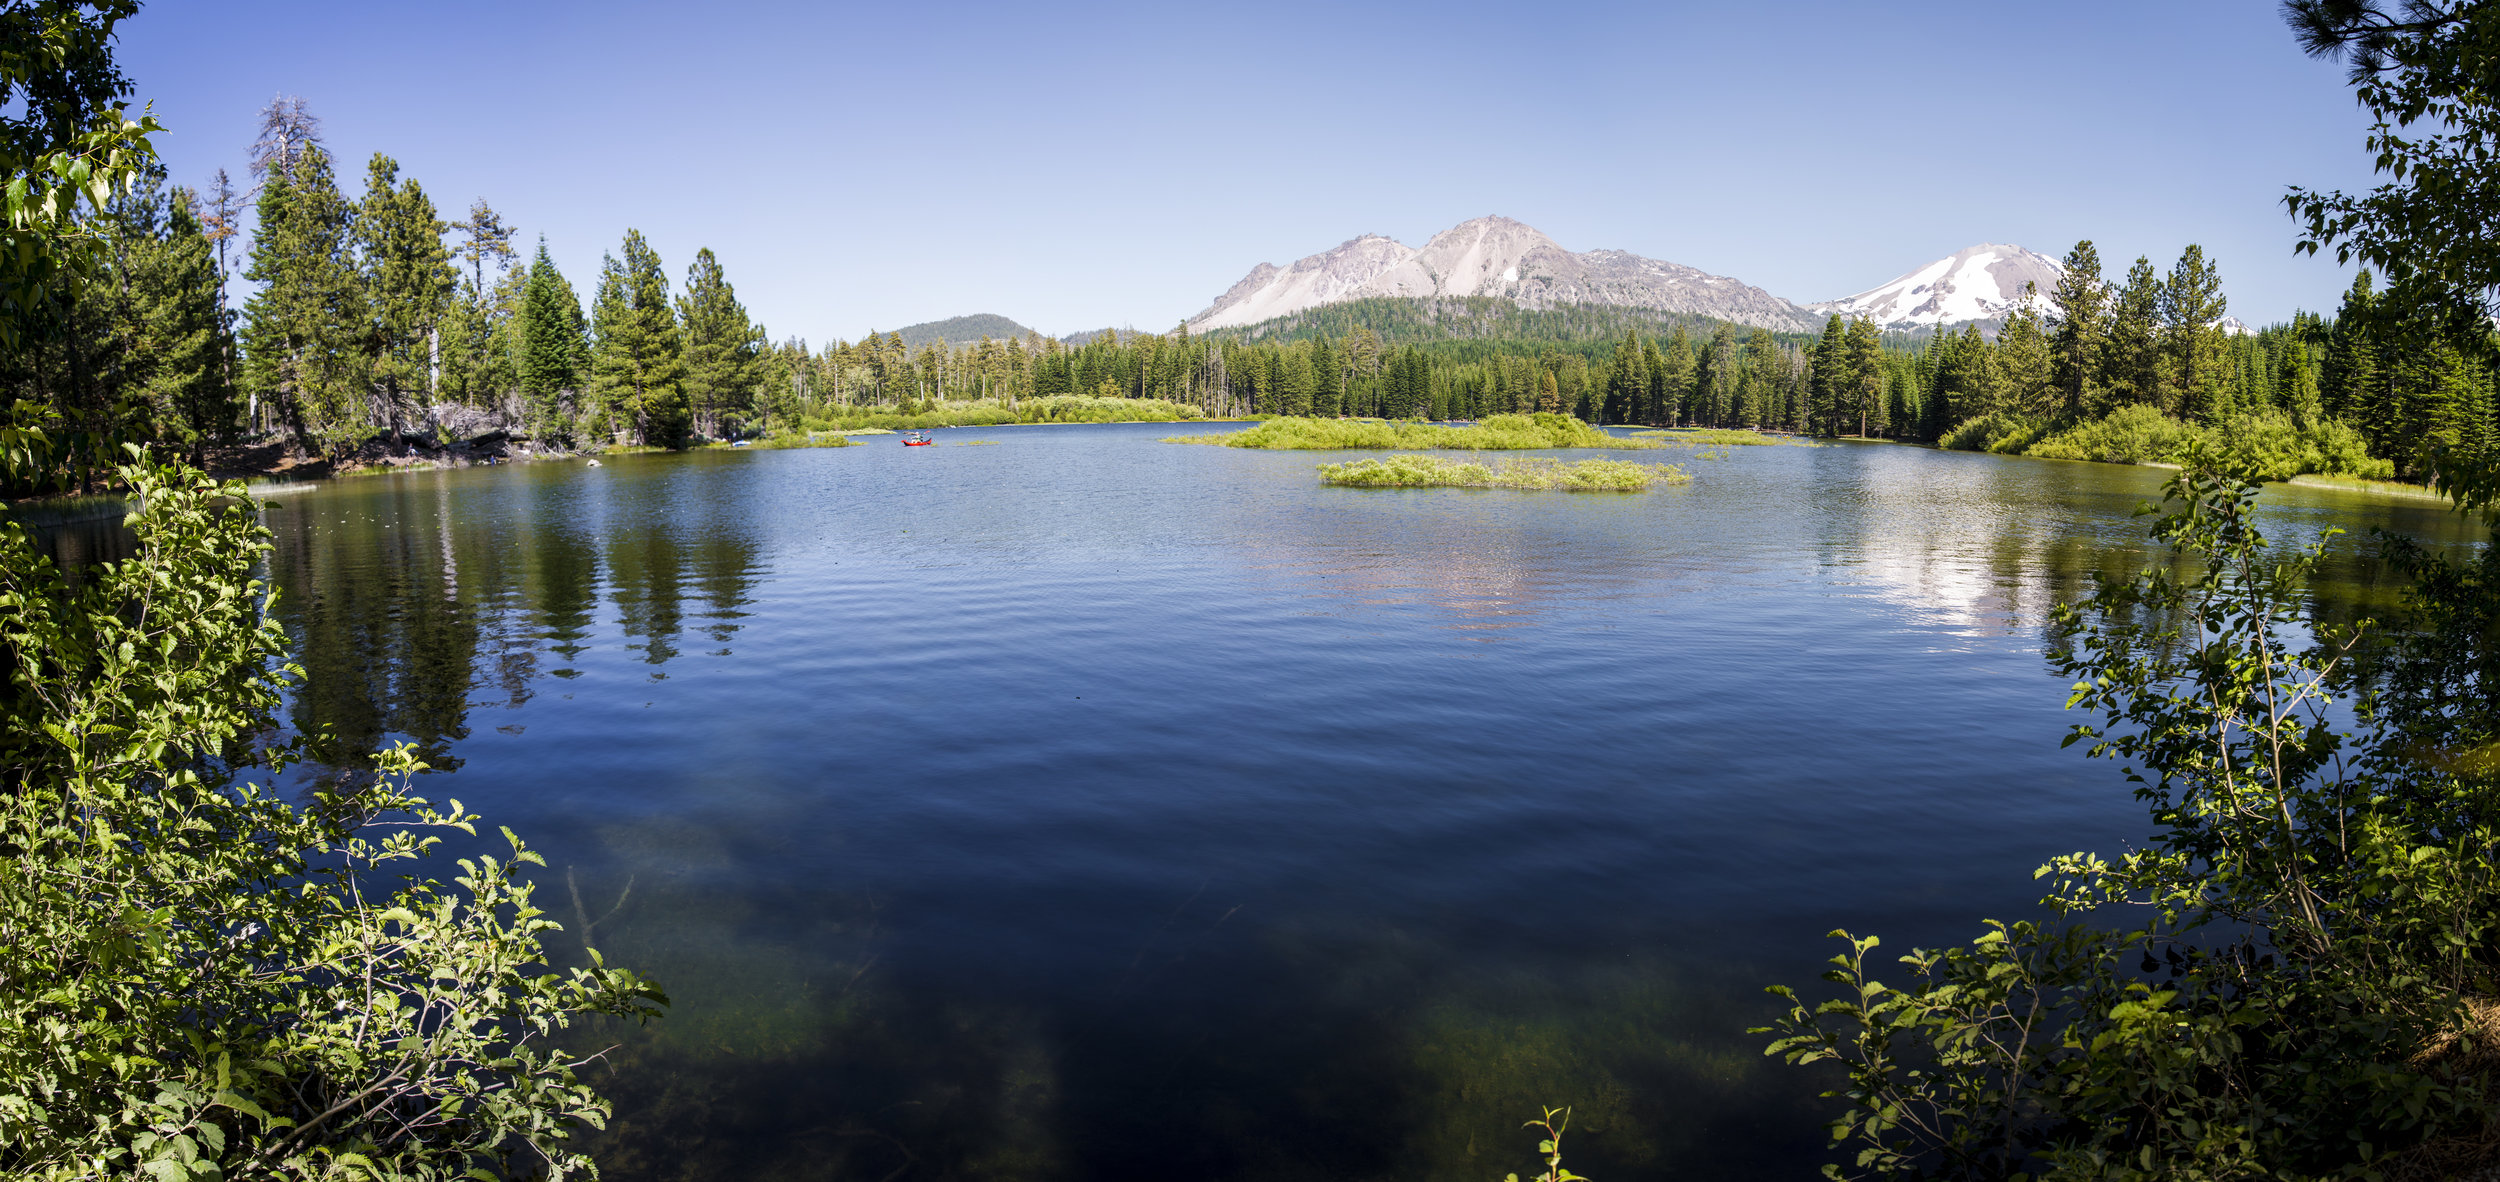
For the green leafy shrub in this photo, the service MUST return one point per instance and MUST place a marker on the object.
(199, 979)
(2298, 978)
(2004, 433)
(2134, 434)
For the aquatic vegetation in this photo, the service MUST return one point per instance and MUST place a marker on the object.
(803, 439)
(1724, 437)
(977, 443)
(1495, 433)
(2393, 488)
(991, 412)
(1434, 472)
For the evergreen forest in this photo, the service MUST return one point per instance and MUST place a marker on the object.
(375, 321)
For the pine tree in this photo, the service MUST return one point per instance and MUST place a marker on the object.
(1714, 378)
(408, 279)
(2349, 380)
(722, 348)
(552, 350)
(2026, 371)
(1328, 394)
(2191, 301)
(637, 371)
(1627, 380)
(178, 302)
(2079, 306)
(1672, 382)
(1295, 381)
(2131, 365)
(1863, 393)
(303, 330)
(469, 326)
(2296, 381)
(1826, 380)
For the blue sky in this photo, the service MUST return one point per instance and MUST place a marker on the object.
(1073, 166)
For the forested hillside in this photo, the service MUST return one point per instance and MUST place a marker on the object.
(375, 321)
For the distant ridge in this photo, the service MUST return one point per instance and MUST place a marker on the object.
(963, 330)
(1499, 258)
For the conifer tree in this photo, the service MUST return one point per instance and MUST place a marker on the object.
(2025, 370)
(1864, 389)
(553, 352)
(303, 330)
(1295, 381)
(1652, 400)
(722, 348)
(2191, 301)
(637, 371)
(469, 327)
(2079, 306)
(178, 302)
(1827, 379)
(2131, 365)
(2349, 379)
(1328, 394)
(407, 278)
(1673, 380)
(1762, 380)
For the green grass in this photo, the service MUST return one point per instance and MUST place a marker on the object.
(990, 412)
(1495, 433)
(796, 439)
(2395, 488)
(1554, 475)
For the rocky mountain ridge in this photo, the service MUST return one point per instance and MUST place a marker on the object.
(1494, 256)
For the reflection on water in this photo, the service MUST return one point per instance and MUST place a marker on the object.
(1084, 807)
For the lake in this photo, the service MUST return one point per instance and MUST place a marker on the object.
(1087, 807)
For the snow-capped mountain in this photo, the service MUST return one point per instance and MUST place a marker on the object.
(1976, 283)
(1494, 256)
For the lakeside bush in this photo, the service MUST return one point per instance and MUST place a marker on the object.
(2003, 434)
(202, 977)
(2266, 444)
(1413, 471)
(2296, 977)
(1494, 433)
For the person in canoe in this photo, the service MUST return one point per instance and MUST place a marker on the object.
(916, 439)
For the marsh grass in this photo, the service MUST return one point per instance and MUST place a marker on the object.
(795, 439)
(1722, 437)
(1408, 471)
(991, 412)
(2393, 488)
(1495, 433)
(977, 443)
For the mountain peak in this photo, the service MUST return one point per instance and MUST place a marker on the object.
(1492, 256)
(1981, 282)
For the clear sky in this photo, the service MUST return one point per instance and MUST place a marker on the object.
(1072, 166)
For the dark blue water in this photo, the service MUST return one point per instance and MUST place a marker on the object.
(1089, 807)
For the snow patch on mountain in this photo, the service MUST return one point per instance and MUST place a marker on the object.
(1980, 282)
